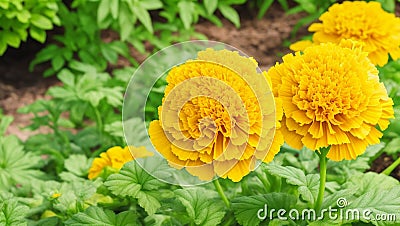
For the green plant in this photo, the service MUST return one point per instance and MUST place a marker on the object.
(20, 17)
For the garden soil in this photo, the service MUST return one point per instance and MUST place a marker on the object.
(263, 39)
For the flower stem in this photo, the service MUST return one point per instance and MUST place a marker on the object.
(322, 172)
(392, 166)
(221, 193)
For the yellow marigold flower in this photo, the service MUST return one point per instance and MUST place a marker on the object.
(216, 117)
(331, 96)
(115, 158)
(361, 21)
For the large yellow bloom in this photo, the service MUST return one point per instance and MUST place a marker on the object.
(361, 21)
(217, 117)
(115, 158)
(331, 96)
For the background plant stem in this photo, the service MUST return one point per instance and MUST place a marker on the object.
(392, 166)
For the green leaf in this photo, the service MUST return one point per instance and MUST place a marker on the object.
(77, 164)
(383, 202)
(186, 11)
(23, 16)
(308, 185)
(135, 182)
(201, 206)
(143, 16)
(5, 121)
(309, 6)
(126, 23)
(12, 38)
(109, 54)
(393, 146)
(3, 44)
(388, 5)
(102, 11)
(11, 212)
(66, 77)
(250, 210)
(370, 181)
(148, 201)
(211, 6)
(151, 4)
(98, 216)
(37, 34)
(264, 7)
(45, 54)
(82, 67)
(16, 166)
(230, 14)
(131, 179)
(41, 21)
(114, 6)
(57, 62)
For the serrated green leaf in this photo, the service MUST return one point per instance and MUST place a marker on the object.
(251, 210)
(135, 182)
(143, 16)
(186, 10)
(230, 14)
(370, 181)
(98, 216)
(393, 146)
(12, 213)
(211, 6)
(308, 185)
(382, 202)
(132, 178)
(148, 201)
(200, 206)
(37, 34)
(16, 165)
(41, 22)
(77, 164)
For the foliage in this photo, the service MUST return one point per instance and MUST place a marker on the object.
(43, 180)
(20, 17)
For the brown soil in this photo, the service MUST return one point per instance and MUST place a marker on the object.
(381, 163)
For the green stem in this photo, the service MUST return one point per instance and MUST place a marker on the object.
(322, 172)
(221, 193)
(392, 166)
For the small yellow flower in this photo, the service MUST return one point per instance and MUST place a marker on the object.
(217, 117)
(361, 21)
(115, 158)
(55, 195)
(331, 96)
